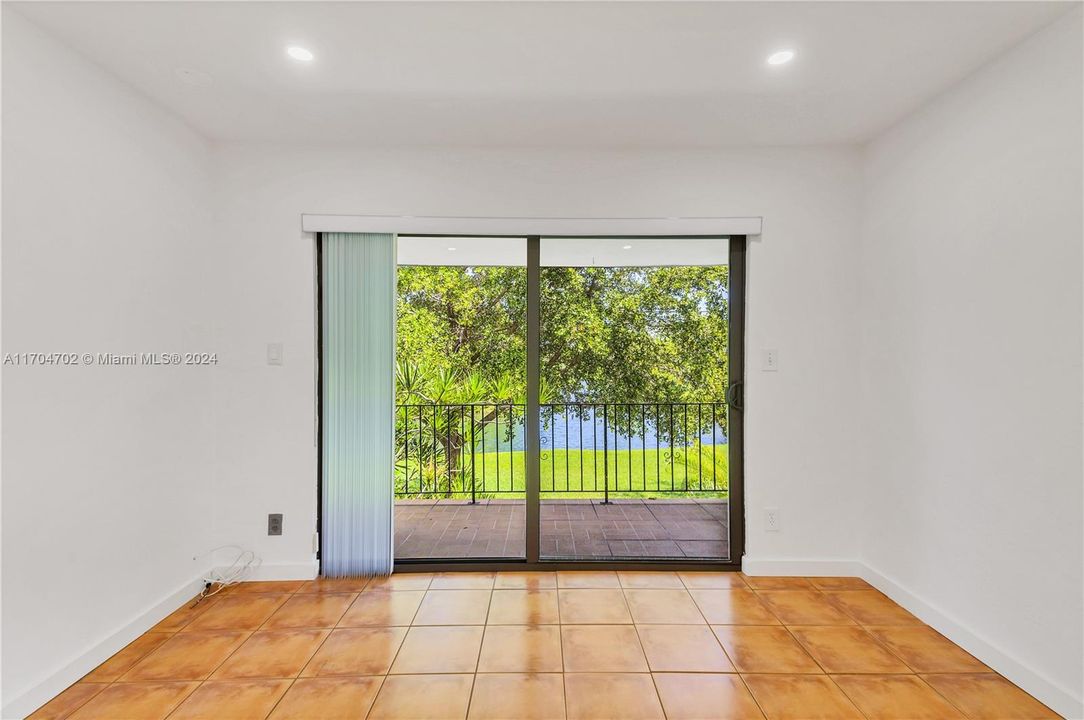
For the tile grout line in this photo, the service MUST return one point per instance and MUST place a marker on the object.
(280, 698)
(946, 698)
(851, 699)
(756, 702)
(410, 627)
(710, 628)
(376, 695)
(848, 697)
(478, 657)
(561, 647)
(658, 696)
(183, 701)
(318, 648)
(883, 645)
(636, 632)
(78, 707)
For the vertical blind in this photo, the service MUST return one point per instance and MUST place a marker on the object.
(358, 402)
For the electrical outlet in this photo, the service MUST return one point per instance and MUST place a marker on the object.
(770, 361)
(772, 521)
(274, 524)
(316, 542)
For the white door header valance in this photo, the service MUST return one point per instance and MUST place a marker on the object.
(518, 226)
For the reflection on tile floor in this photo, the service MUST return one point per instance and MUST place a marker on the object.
(591, 644)
(580, 529)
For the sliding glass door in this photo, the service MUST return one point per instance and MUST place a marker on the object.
(563, 400)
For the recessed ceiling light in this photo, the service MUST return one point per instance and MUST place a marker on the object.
(299, 53)
(451, 248)
(781, 57)
(626, 247)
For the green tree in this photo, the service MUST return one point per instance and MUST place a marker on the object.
(655, 335)
(608, 334)
(635, 334)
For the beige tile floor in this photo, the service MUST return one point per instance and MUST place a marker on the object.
(602, 645)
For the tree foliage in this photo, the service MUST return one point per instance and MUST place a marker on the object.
(635, 334)
(461, 333)
(608, 334)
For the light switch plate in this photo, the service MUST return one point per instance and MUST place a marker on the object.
(274, 353)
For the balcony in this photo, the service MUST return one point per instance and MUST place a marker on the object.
(617, 480)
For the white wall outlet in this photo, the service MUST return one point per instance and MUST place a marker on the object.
(770, 361)
(274, 353)
(316, 542)
(772, 521)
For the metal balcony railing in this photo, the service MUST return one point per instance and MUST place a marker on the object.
(476, 450)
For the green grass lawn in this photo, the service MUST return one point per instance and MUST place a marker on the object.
(701, 471)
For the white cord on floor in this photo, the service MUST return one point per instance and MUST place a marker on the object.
(218, 579)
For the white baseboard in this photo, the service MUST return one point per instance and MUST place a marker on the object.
(56, 682)
(284, 571)
(1058, 698)
(818, 567)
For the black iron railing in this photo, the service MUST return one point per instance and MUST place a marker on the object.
(475, 450)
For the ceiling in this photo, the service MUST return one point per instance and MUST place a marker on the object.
(564, 74)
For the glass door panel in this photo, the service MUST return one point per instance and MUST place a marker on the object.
(460, 394)
(634, 372)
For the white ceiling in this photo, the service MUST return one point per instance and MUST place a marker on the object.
(572, 74)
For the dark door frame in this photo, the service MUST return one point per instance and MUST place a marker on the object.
(532, 560)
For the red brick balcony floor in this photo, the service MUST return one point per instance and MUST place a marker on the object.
(579, 529)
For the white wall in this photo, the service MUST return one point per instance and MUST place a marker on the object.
(971, 360)
(107, 470)
(801, 433)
